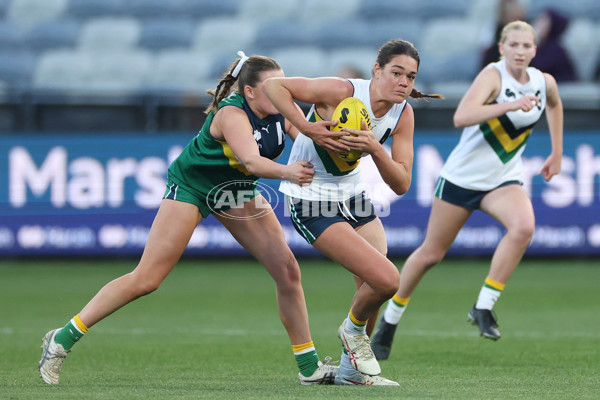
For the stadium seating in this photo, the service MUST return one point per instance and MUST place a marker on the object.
(330, 10)
(16, 67)
(394, 28)
(153, 8)
(4, 4)
(224, 35)
(580, 95)
(459, 67)
(124, 71)
(30, 12)
(62, 70)
(450, 57)
(210, 8)
(335, 36)
(11, 36)
(582, 42)
(306, 61)
(110, 34)
(280, 33)
(362, 58)
(85, 9)
(452, 91)
(161, 33)
(98, 70)
(52, 34)
(180, 70)
(422, 9)
(261, 10)
(312, 37)
(574, 9)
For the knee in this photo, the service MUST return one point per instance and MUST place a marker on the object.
(427, 258)
(142, 285)
(522, 232)
(389, 286)
(286, 271)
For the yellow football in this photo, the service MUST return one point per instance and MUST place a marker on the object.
(349, 114)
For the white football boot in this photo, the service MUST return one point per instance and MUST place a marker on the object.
(360, 379)
(359, 351)
(53, 356)
(323, 375)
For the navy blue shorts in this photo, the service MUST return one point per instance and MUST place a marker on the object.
(467, 198)
(312, 217)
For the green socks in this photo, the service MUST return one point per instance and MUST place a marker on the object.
(306, 358)
(71, 333)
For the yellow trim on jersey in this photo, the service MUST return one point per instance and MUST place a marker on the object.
(503, 137)
(80, 325)
(233, 161)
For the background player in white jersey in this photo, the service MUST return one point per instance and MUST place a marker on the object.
(333, 213)
(484, 172)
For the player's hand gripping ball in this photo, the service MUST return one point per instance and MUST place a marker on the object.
(349, 114)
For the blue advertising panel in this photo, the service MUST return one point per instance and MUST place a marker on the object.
(97, 195)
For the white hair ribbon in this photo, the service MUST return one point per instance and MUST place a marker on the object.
(238, 67)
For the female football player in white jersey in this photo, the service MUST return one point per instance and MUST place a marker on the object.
(332, 212)
(484, 171)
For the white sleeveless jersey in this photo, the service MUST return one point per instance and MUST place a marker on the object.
(489, 154)
(336, 179)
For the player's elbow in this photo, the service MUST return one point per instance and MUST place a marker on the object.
(401, 187)
(251, 166)
(458, 121)
(269, 85)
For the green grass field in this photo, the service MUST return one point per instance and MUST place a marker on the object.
(212, 331)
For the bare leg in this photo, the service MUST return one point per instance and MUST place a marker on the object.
(170, 233)
(445, 221)
(373, 233)
(264, 239)
(511, 206)
(343, 245)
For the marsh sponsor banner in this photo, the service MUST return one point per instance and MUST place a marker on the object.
(97, 195)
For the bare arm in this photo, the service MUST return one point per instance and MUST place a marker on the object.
(554, 115)
(291, 130)
(325, 92)
(396, 170)
(474, 108)
(237, 132)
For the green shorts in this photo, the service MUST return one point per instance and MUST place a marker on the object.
(220, 199)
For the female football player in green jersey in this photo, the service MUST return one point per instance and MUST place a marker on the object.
(484, 171)
(217, 174)
(332, 212)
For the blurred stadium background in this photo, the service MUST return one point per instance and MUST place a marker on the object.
(97, 96)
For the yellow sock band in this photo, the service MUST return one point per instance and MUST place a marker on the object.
(80, 325)
(494, 285)
(301, 348)
(355, 320)
(401, 301)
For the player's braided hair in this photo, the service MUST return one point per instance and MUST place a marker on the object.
(249, 75)
(398, 47)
